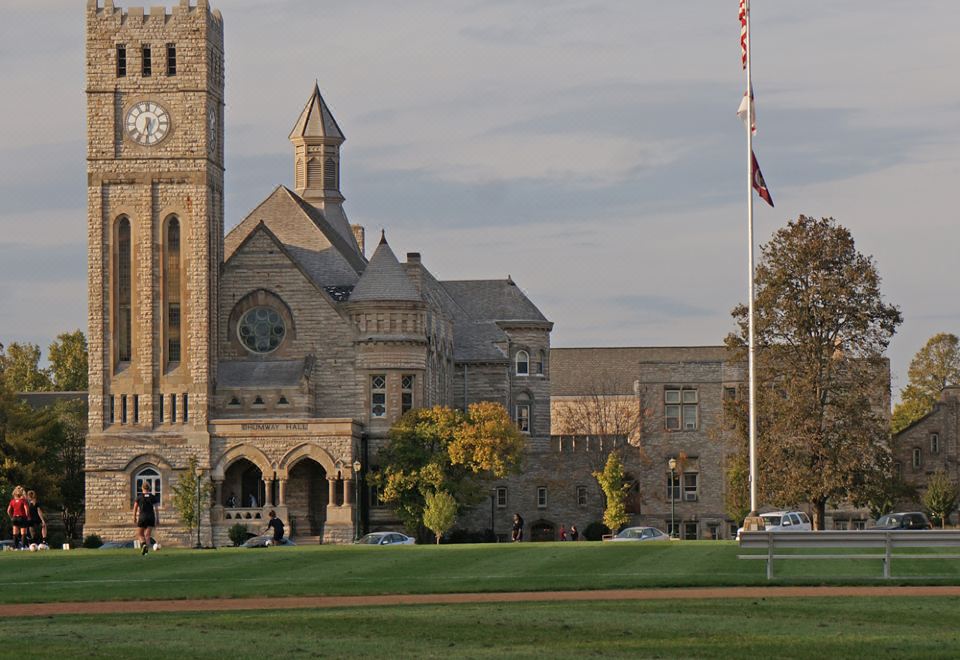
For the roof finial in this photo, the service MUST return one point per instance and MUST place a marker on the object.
(383, 237)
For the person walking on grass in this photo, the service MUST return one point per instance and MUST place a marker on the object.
(277, 526)
(19, 517)
(145, 516)
(517, 532)
(37, 521)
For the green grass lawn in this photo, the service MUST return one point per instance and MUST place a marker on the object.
(745, 628)
(80, 575)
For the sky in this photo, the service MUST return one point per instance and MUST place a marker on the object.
(589, 149)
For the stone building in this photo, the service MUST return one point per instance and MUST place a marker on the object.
(930, 444)
(278, 356)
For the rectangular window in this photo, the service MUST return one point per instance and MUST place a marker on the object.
(121, 60)
(501, 498)
(374, 493)
(171, 59)
(673, 487)
(113, 409)
(934, 443)
(690, 484)
(123, 409)
(841, 525)
(147, 62)
(136, 408)
(581, 496)
(859, 524)
(378, 395)
(406, 394)
(160, 411)
(917, 457)
(898, 470)
(673, 528)
(714, 530)
(691, 531)
(541, 497)
(681, 409)
(523, 417)
(173, 408)
(186, 407)
(729, 393)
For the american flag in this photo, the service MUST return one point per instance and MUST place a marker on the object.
(743, 33)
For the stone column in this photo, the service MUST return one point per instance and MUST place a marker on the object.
(347, 492)
(332, 490)
(282, 493)
(268, 492)
(218, 492)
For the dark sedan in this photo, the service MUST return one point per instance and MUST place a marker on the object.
(910, 520)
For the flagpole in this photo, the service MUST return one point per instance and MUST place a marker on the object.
(750, 339)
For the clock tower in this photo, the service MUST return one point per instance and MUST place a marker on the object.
(155, 99)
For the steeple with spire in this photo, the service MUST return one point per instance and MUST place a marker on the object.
(316, 139)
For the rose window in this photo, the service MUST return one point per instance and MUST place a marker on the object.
(261, 330)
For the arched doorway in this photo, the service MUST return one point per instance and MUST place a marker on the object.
(307, 497)
(543, 530)
(243, 485)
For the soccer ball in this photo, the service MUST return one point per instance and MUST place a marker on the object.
(43, 546)
(33, 547)
(156, 546)
(268, 543)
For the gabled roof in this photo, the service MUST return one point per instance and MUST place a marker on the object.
(319, 249)
(384, 278)
(316, 120)
(493, 300)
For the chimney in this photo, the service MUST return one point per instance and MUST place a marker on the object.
(413, 257)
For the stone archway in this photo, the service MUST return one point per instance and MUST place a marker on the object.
(543, 530)
(307, 495)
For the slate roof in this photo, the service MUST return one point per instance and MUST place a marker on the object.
(316, 120)
(384, 278)
(319, 249)
(616, 369)
(493, 300)
(258, 373)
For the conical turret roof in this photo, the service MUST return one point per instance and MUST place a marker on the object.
(384, 279)
(316, 120)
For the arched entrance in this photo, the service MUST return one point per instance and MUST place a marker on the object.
(243, 485)
(543, 530)
(306, 497)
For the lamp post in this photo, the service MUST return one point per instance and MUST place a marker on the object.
(356, 501)
(672, 463)
(197, 479)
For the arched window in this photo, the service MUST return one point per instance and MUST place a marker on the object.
(330, 174)
(521, 412)
(523, 363)
(123, 291)
(171, 285)
(150, 475)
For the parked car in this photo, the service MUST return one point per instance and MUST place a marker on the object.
(784, 521)
(265, 540)
(385, 538)
(640, 534)
(909, 520)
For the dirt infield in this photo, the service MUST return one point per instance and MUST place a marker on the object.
(233, 604)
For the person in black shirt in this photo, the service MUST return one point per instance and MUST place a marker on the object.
(38, 522)
(277, 526)
(517, 535)
(145, 516)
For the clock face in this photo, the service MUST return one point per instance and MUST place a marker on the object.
(147, 123)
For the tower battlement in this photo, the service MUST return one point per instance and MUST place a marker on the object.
(141, 16)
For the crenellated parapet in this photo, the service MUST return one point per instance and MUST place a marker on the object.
(138, 16)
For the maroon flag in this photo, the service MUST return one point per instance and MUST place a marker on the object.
(743, 33)
(758, 183)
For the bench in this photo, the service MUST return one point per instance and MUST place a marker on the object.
(875, 544)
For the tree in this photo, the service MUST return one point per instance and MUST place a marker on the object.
(821, 330)
(68, 362)
(72, 416)
(934, 367)
(439, 513)
(441, 449)
(941, 496)
(614, 487)
(21, 369)
(190, 487)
